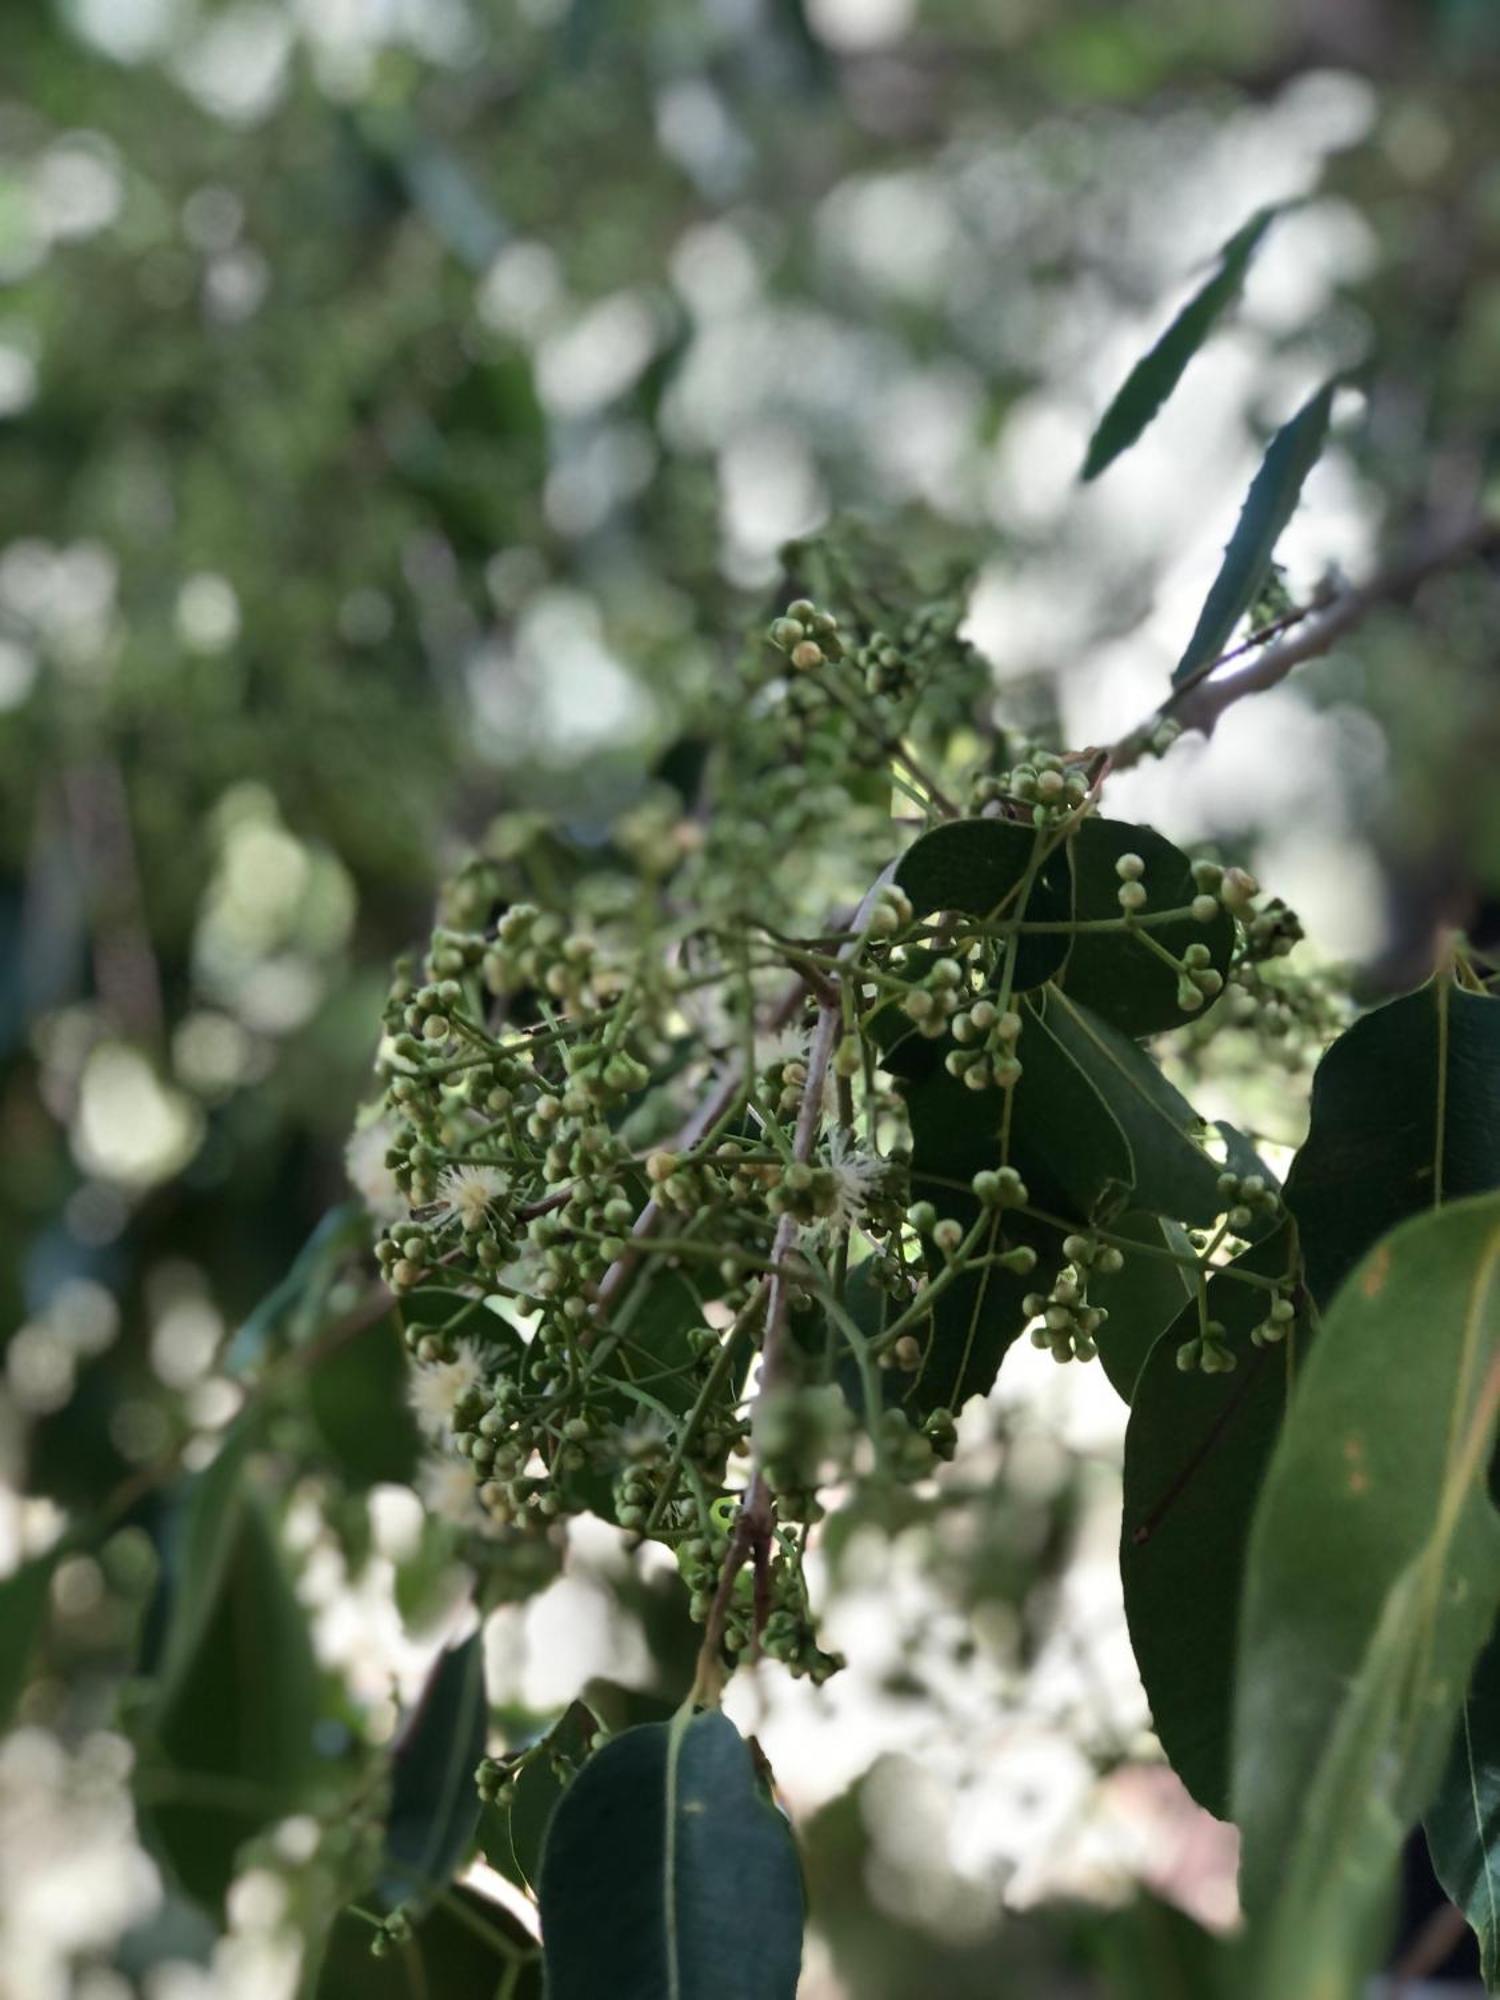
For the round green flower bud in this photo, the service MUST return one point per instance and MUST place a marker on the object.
(1205, 909)
(923, 1217)
(1130, 867)
(786, 633)
(948, 1234)
(1131, 896)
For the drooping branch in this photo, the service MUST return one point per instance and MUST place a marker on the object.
(1201, 699)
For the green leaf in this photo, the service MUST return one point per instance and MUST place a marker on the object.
(1405, 1114)
(1144, 1298)
(512, 1836)
(197, 1544)
(23, 1609)
(1157, 374)
(1463, 1820)
(669, 1875)
(1116, 974)
(466, 1946)
(956, 1134)
(1371, 1583)
(434, 1804)
(230, 1740)
(1196, 1450)
(304, 1289)
(1151, 1951)
(1099, 1114)
(1269, 505)
(976, 866)
(356, 1398)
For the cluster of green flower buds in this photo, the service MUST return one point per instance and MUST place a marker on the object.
(1052, 786)
(1208, 1352)
(885, 671)
(936, 997)
(1069, 1324)
(806, 635)
(1247, 1198)
(1277, 1323)
(986, 1037)
(391, 1934)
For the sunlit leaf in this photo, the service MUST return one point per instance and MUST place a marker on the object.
(1371, 1582)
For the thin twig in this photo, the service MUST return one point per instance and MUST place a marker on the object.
(1200, 701)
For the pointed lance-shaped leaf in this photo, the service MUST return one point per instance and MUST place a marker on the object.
(1269, 505)
(668, 1874)
(1371, 1582)
(1157, 373)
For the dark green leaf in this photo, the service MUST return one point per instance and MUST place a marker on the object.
(1371, 1582)
(512, 1836)
(461, 1950)
(1157, 374)
(230, 1745)
(342, 1231)
(1117, 975)
(668, 1872)
(976, 866)
(1269, 505)
(23, 1608)
(356, 1398)
(1463, 1821)
(1196, 1451)
(1100, 1115)
(1151, 1951)
(1405, 1113)
(434, 1803)
(1142, 1299)
(196, 1546)
(956, 1134)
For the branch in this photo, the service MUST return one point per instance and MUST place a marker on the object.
(755, 1526)
(1201, 700)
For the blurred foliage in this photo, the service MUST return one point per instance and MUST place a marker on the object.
(401, 408)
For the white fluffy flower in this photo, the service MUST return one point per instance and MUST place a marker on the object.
(448, 1490)
(435, 1388)
(857, 1174)
(369, 1176)
(466, 1192)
